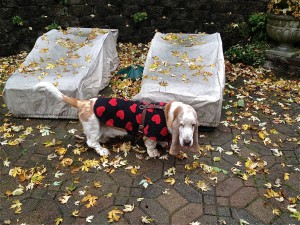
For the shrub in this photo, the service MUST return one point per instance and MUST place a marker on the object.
(139, 17)
(249, 54)
(17, 20)
(257, 25)
(52, 26)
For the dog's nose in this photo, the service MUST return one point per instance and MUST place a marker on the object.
(186, 142)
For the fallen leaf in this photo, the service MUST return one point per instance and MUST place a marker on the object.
(128, 208)
(113, 215)
(64, 199)
(170, 180)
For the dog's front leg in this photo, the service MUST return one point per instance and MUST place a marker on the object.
(151, 147)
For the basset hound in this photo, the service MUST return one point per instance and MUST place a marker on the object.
(103, 118)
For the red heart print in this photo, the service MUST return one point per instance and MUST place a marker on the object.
(139, 118)
(100, 110)
(133, 108)
(113, 102)
(150, 110)
(146, 130)
(164, 131)
(120, 114)
(128, 126)
(153, 138)
(110, 122)
(156, 119)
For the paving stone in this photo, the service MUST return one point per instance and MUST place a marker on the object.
(136, 192)
(155, 211)
(210, 210)
(243, 197)
(121, 178)
(209, 199)
(51, 208)
(172, 201)
(188, 192)
(208, 219)
(222, 201)
(264, 213)
(224, 211)
(187, 214)
(243, 214)
(102, 204)
(135, 216)
(228, 221)
(229, 186)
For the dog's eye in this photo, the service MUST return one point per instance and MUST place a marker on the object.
(181, 125)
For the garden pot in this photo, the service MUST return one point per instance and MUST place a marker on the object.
(286, 31)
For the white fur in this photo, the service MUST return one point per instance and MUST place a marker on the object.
(187, 122)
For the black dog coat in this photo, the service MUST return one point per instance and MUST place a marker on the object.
(127, 114)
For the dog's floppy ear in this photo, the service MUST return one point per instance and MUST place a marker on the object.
(195, 146)
(175, 145)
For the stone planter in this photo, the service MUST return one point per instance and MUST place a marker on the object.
(286, 31)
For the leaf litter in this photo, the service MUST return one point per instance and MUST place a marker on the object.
(257, 105)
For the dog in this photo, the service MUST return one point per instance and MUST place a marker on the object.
(103, 118)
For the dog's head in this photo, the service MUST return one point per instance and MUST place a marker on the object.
(183, 125)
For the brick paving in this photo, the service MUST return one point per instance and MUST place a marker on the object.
(229, 199)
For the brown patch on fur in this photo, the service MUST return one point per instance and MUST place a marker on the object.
(177, 112)
(175, 145)
(85, 109)
(71, 101)
(167, 113)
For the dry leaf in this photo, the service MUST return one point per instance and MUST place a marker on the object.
(113, 215)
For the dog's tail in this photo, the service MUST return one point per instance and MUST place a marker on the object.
(45, 86)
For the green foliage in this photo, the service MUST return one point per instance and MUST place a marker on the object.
(17, 20)
(257, 25)
(249, 54)
(52, 26)
(251, 49)
(64, 2)
(238, 30)
(139, 17)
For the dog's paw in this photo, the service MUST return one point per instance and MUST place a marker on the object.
(103, 151)
(153, 153)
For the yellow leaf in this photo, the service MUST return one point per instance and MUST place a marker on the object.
(202, 185)
(50, 66)
(97, 184)
(113, 215)
(58, 220)
(66, 162)
(92, 200)
(170, 180)
(88, 58)
(44, 50)
(245, 126)
(163, 83)
(17, 206)
(60, 150)
(75, 213)
(187, 180)
(273, 131)
(276, 212)
(15, 171)
(286, 176)
(217, 159)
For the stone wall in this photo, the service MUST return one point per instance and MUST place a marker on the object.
(163, 15)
